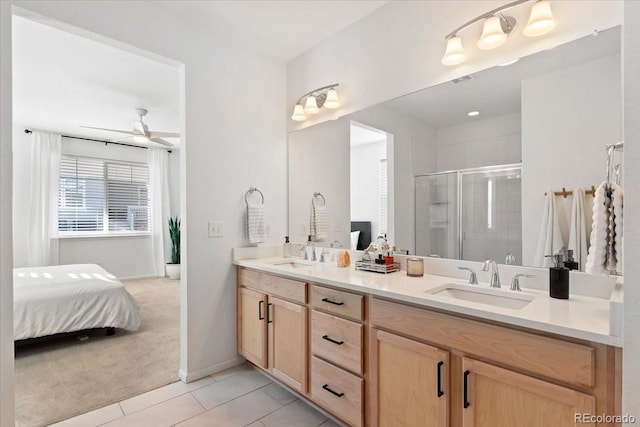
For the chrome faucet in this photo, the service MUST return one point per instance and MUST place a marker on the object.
(515, 282)
(309, 247)
(473, 279)
(495, 275)
(323, 255)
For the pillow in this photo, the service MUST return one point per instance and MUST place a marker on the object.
(355, 235)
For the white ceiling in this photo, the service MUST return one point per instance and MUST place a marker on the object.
(496, 91)
(281, 29)
(62, 81)
(361, 134)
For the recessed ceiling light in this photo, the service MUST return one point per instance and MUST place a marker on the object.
(513, 61)
(473, 113)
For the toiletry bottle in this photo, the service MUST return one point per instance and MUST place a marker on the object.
(287, 247)
(571, 263)
(558, 278)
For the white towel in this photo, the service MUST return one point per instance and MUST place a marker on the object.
(256, 229)
(550, 240)
(318, 227)
(617, 204)
(597, 258)
(578, 231)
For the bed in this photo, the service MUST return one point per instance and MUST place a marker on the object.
(363, 230)
(68, 298)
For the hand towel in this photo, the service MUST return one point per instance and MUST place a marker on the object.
(550, 240)
(256, 228)
(319, 227)
(614, 265)
(578, 229)
(597, 258)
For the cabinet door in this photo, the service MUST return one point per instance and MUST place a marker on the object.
(498, 397)
(252, 326)
(410, 383)
(288, 343)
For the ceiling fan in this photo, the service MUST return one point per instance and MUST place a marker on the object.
(141, 133)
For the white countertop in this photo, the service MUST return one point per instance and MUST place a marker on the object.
(582, 317)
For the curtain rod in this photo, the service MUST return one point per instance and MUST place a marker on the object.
(99, 140)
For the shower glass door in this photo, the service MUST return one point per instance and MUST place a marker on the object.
(436, 215)
(490, 214)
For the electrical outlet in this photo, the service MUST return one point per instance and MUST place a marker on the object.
(216, 228)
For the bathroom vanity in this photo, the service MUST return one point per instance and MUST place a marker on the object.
(392, 350)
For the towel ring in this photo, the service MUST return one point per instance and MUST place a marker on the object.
(251, 191)
(318, 195)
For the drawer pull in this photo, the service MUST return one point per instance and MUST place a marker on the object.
(326, 337)
(260, 316)
(440, 392)
(269, 320)
(465, 392)
(332, 302)
(326, 387)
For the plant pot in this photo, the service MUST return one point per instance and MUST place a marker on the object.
(173, 271)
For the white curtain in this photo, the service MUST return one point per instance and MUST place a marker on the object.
(159, 190)
(44, 169)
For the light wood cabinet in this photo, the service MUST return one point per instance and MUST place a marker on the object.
(252, 327)
(411, 382)
(494, 397)
(287, 337)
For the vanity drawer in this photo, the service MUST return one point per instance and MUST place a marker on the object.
(340, 302)
(543, 356)
(337, 391)
(289, 289)
(337, 340)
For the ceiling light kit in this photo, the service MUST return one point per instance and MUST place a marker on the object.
(311, 102)
(497, 27)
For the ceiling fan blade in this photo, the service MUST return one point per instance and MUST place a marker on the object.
(110, 130)
(140, 128)
(162, 142)
(154, 134)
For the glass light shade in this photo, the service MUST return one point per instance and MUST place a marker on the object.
(332, 100)
(492, 34)
(298, 113)
(541, 20)
(311, 106)
(454, 54)
(140, 138)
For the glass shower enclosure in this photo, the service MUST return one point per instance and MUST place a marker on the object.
(470, 214)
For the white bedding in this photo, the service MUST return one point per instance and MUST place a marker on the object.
(67, 298)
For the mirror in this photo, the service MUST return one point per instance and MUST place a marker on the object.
(460, 185)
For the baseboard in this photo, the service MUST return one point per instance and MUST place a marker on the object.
(188, 377)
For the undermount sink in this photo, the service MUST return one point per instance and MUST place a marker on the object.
(473, 293)
(295, 263)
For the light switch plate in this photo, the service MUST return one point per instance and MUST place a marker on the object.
(216, 228)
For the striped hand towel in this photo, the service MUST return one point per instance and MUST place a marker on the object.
(256, 229)
(319, 227)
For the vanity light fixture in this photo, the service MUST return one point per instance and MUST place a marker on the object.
(497, 27)
(311, 102)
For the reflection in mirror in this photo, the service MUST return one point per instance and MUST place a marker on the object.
(550, 114)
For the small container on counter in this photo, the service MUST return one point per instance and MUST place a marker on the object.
(415, 267)
(558, 279)
(343, 259)
(286, 250)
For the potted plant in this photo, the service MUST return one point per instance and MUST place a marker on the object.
(173, 267)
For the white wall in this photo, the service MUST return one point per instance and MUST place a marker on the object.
(631, 325)
(365, 178)
(124, 257)
(229, 146)
(484, 142)
(564, 132)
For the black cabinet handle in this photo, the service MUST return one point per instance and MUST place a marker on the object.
(260, 316)
(326, 337)
(326, 387)
(465, 392)
(269, 320)
(332, 302)
(440, 392)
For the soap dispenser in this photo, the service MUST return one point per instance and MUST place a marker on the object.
(558, 278)
(287, 247)
(571, 263)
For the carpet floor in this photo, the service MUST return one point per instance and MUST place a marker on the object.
(61, 378)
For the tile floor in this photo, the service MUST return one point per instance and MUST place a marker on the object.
(240, 396)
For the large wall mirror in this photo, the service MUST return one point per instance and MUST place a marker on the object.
(460, 170)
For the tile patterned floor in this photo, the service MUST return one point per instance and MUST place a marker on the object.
(240, 396)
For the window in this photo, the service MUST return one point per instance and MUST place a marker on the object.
(383, 196)
(103, 196)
